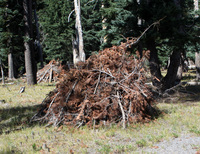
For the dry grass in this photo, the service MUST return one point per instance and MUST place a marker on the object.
(17, 135)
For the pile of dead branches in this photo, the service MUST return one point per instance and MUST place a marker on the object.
(107, 88)
(49, 72)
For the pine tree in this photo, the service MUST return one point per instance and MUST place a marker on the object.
(56, 31)
(11, 41)
(92, 25)
(30, 63)
(121, 21)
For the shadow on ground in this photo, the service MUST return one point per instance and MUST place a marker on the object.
(188, 95)
(16, 118)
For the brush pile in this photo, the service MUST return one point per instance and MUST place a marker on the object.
(107, 88)
(49, 72)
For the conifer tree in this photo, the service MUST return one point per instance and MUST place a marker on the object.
(30, 64)
(92, 24)
(56, 31)
(121, 21)
(11, 41)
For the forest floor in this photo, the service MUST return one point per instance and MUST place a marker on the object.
(176, 130)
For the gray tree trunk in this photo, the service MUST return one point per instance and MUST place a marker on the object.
(2, 72)
(197, 54)
(196, 5)
(197, 63)
(10, 56)
(28, 44)
(11, 74)
(179, 72)
(78, 54)
(170, 79)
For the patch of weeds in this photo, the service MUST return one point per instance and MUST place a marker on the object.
(97, 142)
(10, 150)
(105, 149)
(195, 130)
(110, 133)
(195, 146)
(124, 148)
(141, 143)
(151, 138)
(175, 135)
(159, 138)
(36, 148)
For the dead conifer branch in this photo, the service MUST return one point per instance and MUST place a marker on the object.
(48, 111)
(44, 75)
(140, 90)
(82, 110)
(122, 110)
(49, 72)
(99, 78)
(70, 92)
(136, 40)
(101, 71)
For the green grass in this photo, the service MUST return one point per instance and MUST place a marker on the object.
(18, 135)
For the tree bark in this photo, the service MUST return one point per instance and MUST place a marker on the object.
(179, 72)
(154, 62)
(197, 63)
(11, 74)
(196, 5)
(30, 64)
(197, 54)
(10, 53)
(2, 72)
(79, 52)
(170, 79)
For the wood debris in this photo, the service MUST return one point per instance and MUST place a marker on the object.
(108, 88)
(49, 72)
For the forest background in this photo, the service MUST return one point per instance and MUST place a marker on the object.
(104, 23)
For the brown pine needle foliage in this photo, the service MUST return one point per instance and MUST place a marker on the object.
(108, 88)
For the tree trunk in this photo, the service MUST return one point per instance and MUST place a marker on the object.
(154, 63)
(76, 57)
(197, 63)
(39, 47)
(28, 44)
(2, 73)
(11, 74)
(196, 5)
(179, 72)
(181, 67)
(170, 79)
(80, 54)
(197, 54)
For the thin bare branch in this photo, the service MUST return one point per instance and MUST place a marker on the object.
(122, 110)
(70, 14)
